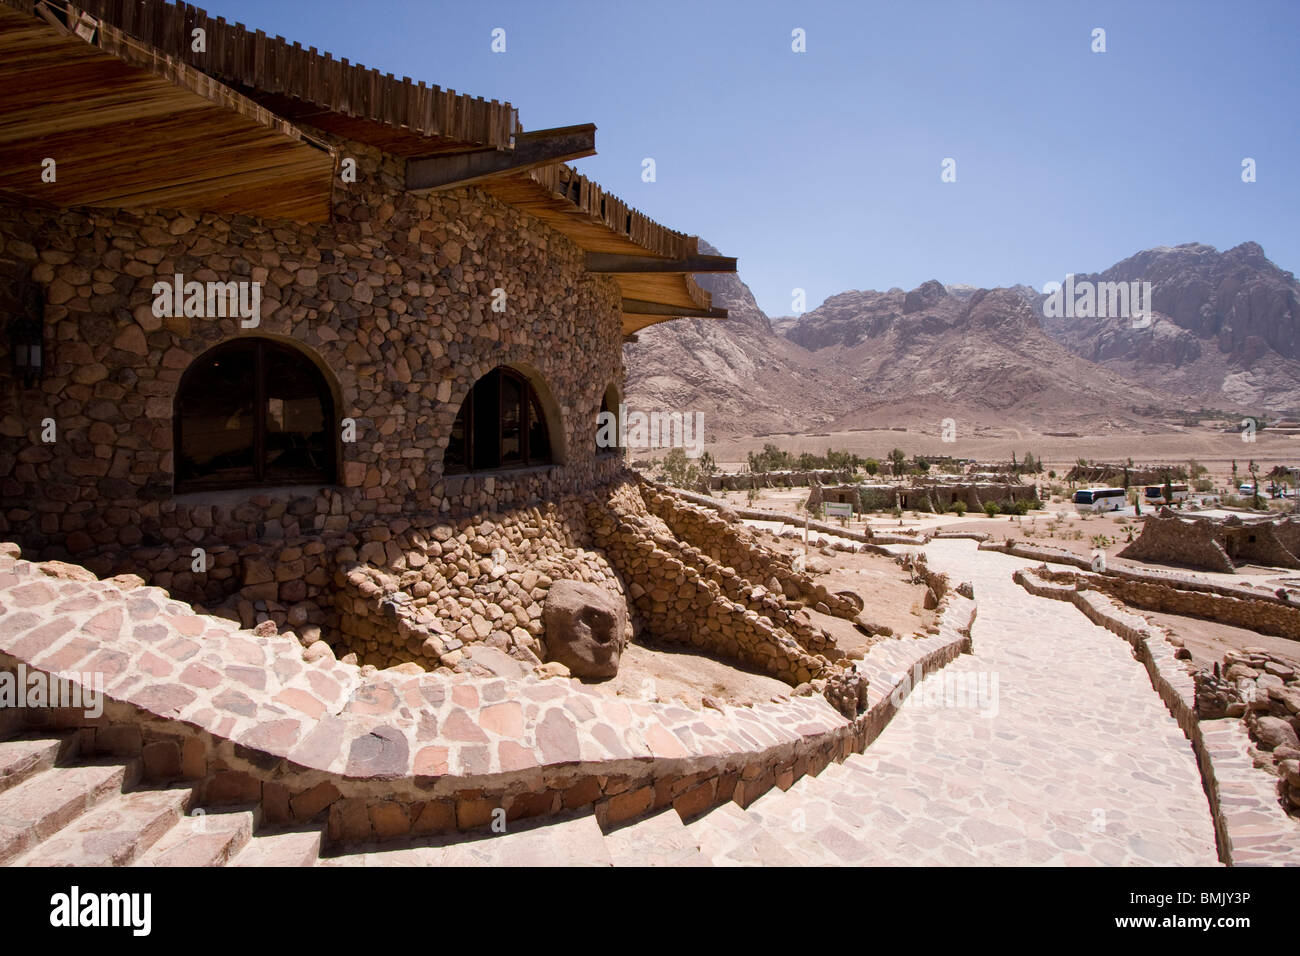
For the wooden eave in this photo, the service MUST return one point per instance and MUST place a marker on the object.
(600, 223)
(314, 88)
(129, 127)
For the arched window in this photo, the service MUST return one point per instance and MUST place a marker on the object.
(252, 412)
(500, 425)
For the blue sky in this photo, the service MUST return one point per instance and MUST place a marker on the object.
(821, 170)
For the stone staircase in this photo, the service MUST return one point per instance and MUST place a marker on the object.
(61, 808)
(817, 822)
(58, 808)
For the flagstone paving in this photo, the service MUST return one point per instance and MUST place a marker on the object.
(1077, 763)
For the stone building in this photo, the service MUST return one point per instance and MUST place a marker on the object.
(310, 345)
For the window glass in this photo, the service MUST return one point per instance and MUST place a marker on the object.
(298, 443)
(216, 408)
(500, 425)
(512, 425)
(252, 413)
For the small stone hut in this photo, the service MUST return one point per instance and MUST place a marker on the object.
(1216, 544)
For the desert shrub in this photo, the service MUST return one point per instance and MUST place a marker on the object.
(991, 508)
(959, 507)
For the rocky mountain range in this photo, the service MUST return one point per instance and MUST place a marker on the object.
(1222, 335)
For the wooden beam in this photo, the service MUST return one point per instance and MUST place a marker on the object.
(641, 307)
(612, 263)
(538, 148)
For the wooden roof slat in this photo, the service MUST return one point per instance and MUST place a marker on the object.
(255, 62)
(134, 128)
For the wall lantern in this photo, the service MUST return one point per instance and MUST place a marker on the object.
(27, 333)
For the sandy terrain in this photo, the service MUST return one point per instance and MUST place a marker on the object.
(673, 672)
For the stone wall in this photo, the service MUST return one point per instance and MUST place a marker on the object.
(391, 300)
(430, 588)
(1172, 540)
(774, 479)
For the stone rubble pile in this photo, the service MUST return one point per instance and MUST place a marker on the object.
(1263, 689)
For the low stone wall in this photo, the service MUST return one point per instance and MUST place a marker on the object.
(1250, 825)
(1176, 579)
(252, 718)
(868, 537)
(1265, 617)
(776, 479)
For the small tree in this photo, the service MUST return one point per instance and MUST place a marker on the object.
(707, 466)
(898, 461)
(871, 466)
(678, 470)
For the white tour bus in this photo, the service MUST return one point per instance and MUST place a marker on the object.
(1155, 494)
(1100, 499)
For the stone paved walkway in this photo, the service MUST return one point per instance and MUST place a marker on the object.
(1080, 763)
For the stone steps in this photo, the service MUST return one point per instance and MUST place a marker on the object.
(114, 833)
(92, 814)
(658, 840)
(730, 836)
(29, 754)
(204, 839)
(48, 801)
(281, 848)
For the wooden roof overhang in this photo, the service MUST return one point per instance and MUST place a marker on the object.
(651, 263)
(129, 127)
(306, 86)
(242, 79)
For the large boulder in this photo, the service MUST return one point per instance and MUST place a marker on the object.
(585, 627)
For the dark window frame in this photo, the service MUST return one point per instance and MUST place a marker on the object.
(261, 349)
(531, 413)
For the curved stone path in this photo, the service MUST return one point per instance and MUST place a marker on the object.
(1078, 763)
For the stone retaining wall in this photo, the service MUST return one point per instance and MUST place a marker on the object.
(681, 595)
